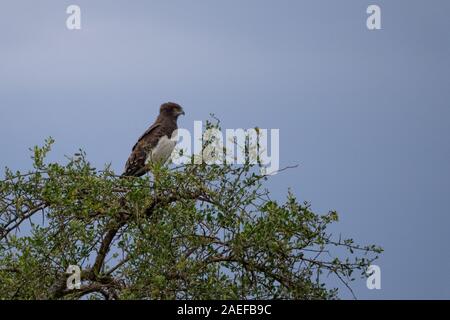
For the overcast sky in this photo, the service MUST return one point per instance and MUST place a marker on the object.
(366, 114)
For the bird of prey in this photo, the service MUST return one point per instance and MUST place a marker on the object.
(155, 145)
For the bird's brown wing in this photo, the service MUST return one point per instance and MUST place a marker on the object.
(136, 162)
(149, 130)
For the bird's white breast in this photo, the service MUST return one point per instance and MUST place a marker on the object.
(162, 151)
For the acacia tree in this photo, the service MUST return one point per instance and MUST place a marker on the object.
(196, 231)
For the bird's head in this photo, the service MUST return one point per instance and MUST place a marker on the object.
(171, 109)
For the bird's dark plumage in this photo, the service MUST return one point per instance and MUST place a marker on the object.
(154, 144)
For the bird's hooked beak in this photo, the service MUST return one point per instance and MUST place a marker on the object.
(181, 112)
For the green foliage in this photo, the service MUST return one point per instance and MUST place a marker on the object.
(192, 232)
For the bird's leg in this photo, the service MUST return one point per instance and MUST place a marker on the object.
(156, 169)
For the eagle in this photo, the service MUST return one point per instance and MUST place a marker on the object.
(155, 145)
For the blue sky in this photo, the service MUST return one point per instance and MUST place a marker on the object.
(365, 114)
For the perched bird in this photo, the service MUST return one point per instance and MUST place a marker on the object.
(155, 145)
